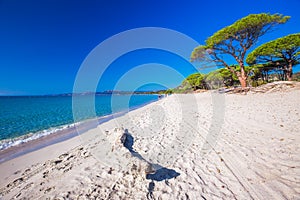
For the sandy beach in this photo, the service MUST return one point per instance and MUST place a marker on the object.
(189, 146)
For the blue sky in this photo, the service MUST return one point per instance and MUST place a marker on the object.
(43, 43)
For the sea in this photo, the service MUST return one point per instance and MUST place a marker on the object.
(25, 118)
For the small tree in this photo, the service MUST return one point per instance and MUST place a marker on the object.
(283, 52)
(194, 81)
(235, 40)
(220, 78)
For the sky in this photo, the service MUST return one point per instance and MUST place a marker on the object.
(43, 44)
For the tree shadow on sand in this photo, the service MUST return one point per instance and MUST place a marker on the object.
(163, 174)
(128, 141)
(160, 173)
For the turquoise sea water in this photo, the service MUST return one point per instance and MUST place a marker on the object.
(33, 115)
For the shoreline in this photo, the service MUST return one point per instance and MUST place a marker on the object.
(63, 133)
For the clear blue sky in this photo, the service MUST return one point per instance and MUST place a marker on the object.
(43, 43)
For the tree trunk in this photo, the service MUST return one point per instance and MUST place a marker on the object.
(243, 81)
(243, 77)
(289, 72)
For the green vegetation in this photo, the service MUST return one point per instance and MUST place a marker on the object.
(213, 80)
(194, 81)
(235, 40)
(269, 62)
(296, 76)
(282, 53)
(223, 78)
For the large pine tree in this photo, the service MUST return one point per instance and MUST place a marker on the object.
(235, 40)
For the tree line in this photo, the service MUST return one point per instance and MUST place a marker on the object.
(273, 60)
(257, 75)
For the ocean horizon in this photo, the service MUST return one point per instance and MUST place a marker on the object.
(26, 118)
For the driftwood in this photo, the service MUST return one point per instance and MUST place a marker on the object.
(282, 86)
(237, 90)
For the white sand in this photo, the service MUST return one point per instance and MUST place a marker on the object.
(210, 146)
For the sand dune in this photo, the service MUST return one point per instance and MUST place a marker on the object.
(194, 146)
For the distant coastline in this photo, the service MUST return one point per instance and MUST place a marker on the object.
(107, 92)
